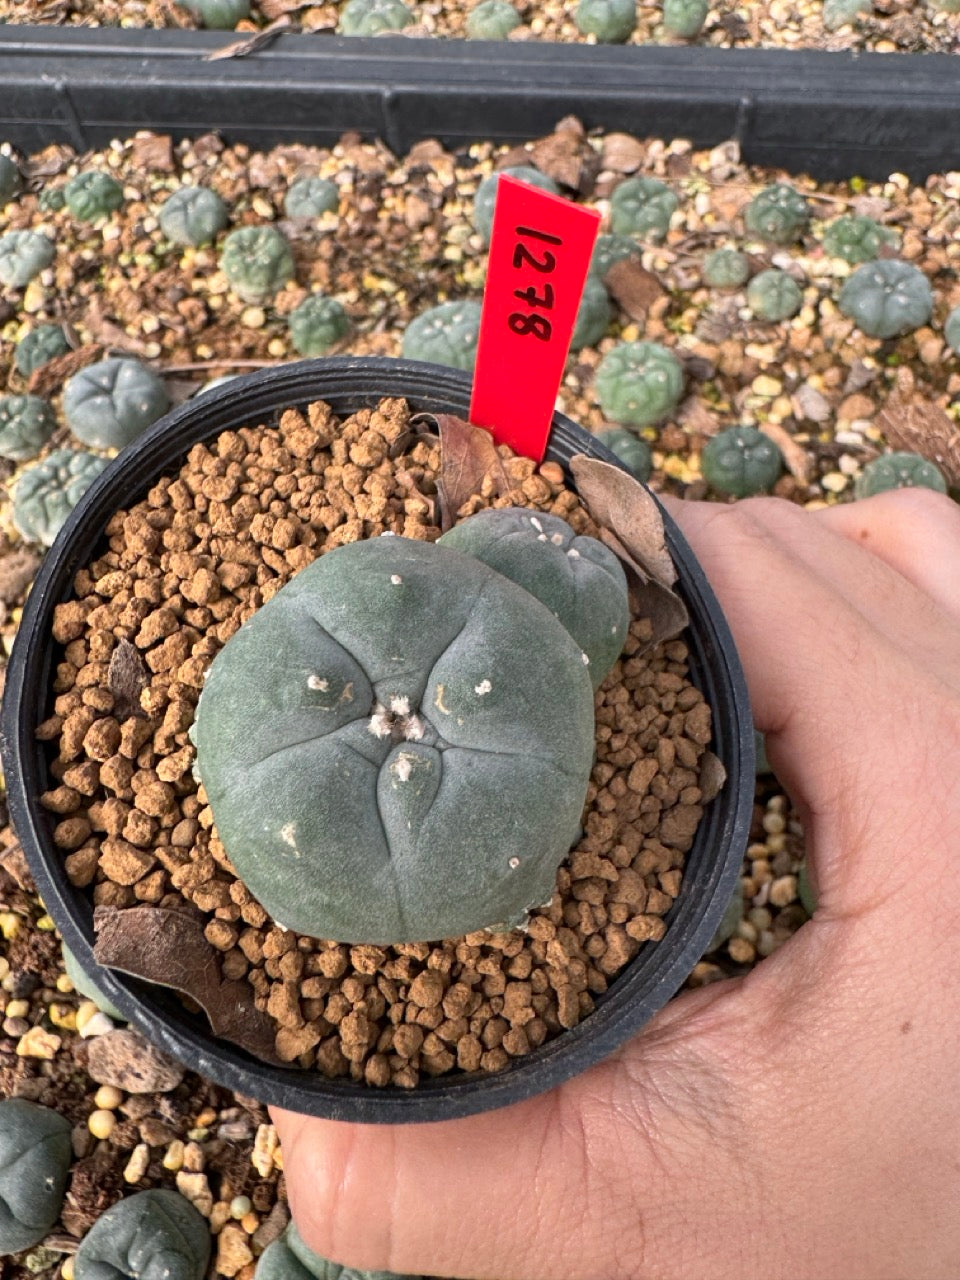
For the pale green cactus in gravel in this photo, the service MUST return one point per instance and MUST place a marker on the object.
(193, 216)
(35, 1155)
(951, 331)
(86, 986)
(779, 214)
(373, 17)
(47, 492)
(773, 295)
(308, 198)
(639, 383)
(23, 255)
(685, 18)
(258, 262)
(486, 197)
(741, 461)
(219, 15)
(289, 1259)
(92, 195)
(856, 239)
(11, 183)
(492, 20)
(729, 921)
(631, 449)
(153, 1235)
(26, 424)
(838, 13)
(594, 315)
(887, 298)
(611, 21)
(899, 470)
(52, 198)
(318, 324)
(726, 269)
(611, 249)
(642, 207)
(110, 403)
(38, 347)
(446, 334)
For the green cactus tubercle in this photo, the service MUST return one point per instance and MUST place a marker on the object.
(639, 383)
(11, 182)
(611, 21)
(47, 492)
(773, 295)
(110, 403)
(446, 334)
(631, 449)
(726, 269)
(193, 216)
(837, 13)
(779, 214)
(887, 298)
(594, 315)
(308, 198)
(642, 207)
(951, 330)
(611, 249)
(257, 261)
(901, 470)
(26, 424)
(685, 18)
(856, 239)
(23, 255)
(35, 1155)
(92, 194)
(220, 15)
(86, 985)
(153, 1234)
(38, 347)
(486, 197)
(741, 461)
(289, 1259)
(371, 17)
(318, 324)
(492, 20)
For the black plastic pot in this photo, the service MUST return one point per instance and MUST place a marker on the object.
(712, 865)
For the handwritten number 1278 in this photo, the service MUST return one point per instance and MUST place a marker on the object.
(524, 323)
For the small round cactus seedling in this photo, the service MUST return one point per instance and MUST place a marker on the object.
(23, 255)
(26, 424)
(11, 182)
(40, 346)
(110, 403)
(642, 207)
(901, 470)
(492, 20)
(152, 1234)
(887, 298)
(52, 199)
(594, 316)
(289, 1259)
(35, 1155)
(220, 15)
(193, 216)
(48, 491)
(257, 261)
(86, 985)
(486, 197)
(308, 198)
(373, 17)
(779, 214)
(773, 295)
(93, 195)
(856, 239)
(639, 383)
(685, 18)
(318, 324)
(951, 330)
(632, 450)
(611, 21)
(611, 249)
(838, 13)
(726, 269)
(741, 461)
(446, 334)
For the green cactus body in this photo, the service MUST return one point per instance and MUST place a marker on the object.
(805, 890)
(11, 182)
(773, 295)
(611, 249)
(23, 255)
(35, 1155)
(257, 261)
(48, 491)
(221, 15)
(309, 198)
(838, 13)
(372, 17)
(110, 403)
(153, 1235)
(388, 755)
(38, 347)
(902, 470)
(26, 424)
(726, 269)
(760, 745)
(642, 207)
(729, 921)
(639, 383)
(887, 298)
(318, 324)
(492, 20)
(289, 1259)
(86, 986)
(951, 330)
(93, 195)
(193, 216)
(779, 214)
(685, 18)
(446, 334)
(52, 199)
(594, 315)
(611, 21)
(279, 1262)
(946, 6)
(632, 451)
(486, 197)
(856, 239)
(580, 580)
(741, 461)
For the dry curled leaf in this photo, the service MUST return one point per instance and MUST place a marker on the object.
(127, 677)
(14, 862)
(253, 43)
(622, 153)
(634, 287)
(48, 378)
(794, 455)
(18, 568)
(111, 335)
(713, 775)
(468, 456)
(922, 427)
(153, 152)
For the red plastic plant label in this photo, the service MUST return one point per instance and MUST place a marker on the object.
(540, 254)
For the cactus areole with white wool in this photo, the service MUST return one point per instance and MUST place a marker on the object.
(397, 746)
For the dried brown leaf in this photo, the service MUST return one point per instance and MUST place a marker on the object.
(127, 677)
(922, 427)
(468, 456)
(634, 287)
(560, 157)
(18, 568)
(273, 9)
(728, 199)
(50, 162)
(622, 153)
(794, 455)
(109, 334)
(807, 402)
(49, 378)
(14, 861)
(153, 152)
(252, 43)
(713, 775)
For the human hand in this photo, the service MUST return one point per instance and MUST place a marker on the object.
(802, 1121)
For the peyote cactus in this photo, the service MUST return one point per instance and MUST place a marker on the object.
(193, 216)
(779, 214)
(639, 383)
(446, 334)
(773, 295)
(11, 182)
(726, 269)
(257, 261)
(594, 316)
(805, 890)
(685, 18)
(93, 195)
(23, 255)
(48, 491)
(318, 324)
(837, 13)
(486, 197)
(371, 17)
(388, 756)
(86, 985)
(35, 1155)
(26, 424)
(951, 330)
(220, 15)
(52, 199)
(153, 1235)
(492, 20)
(611, 249)
(110, 403)
(308, 198)
(611, 21)
(887, 298)
(642, 207)
(729, 922)
(856, 239)
(741, 461)
(40, 345)
(903, 470)
(632, 451)
(289, 1259)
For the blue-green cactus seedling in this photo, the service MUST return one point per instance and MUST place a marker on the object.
(887, 298)
(52, 198)
(40, 345)
(289, 1259)
(726, 269)
(309, 198)
(373, 17)
(26, 424)
(388, 754)
(257, 261)
(642, 207)
(35, 1154)
(611, 249)
(193, 216)
(639, 383)
(805, 890)
(23, 255)
(837, 13)
(217, 382)
(856, 239)
(86, 985)
(760, 746)
(220, 15)
(492, 20)
(951, 330)
(110, 403)
(902, 470)
(486, 197)
(729, 921)
(154, 1235)
(685, 18)
(93, 195)
(11, 182)
(594, 315)
(446, 334)
(611, 21)
(318, 324)
(779, 214)
(579, 579)
(741, 461)
(48, 491)
(773, 295)
(633, 452)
